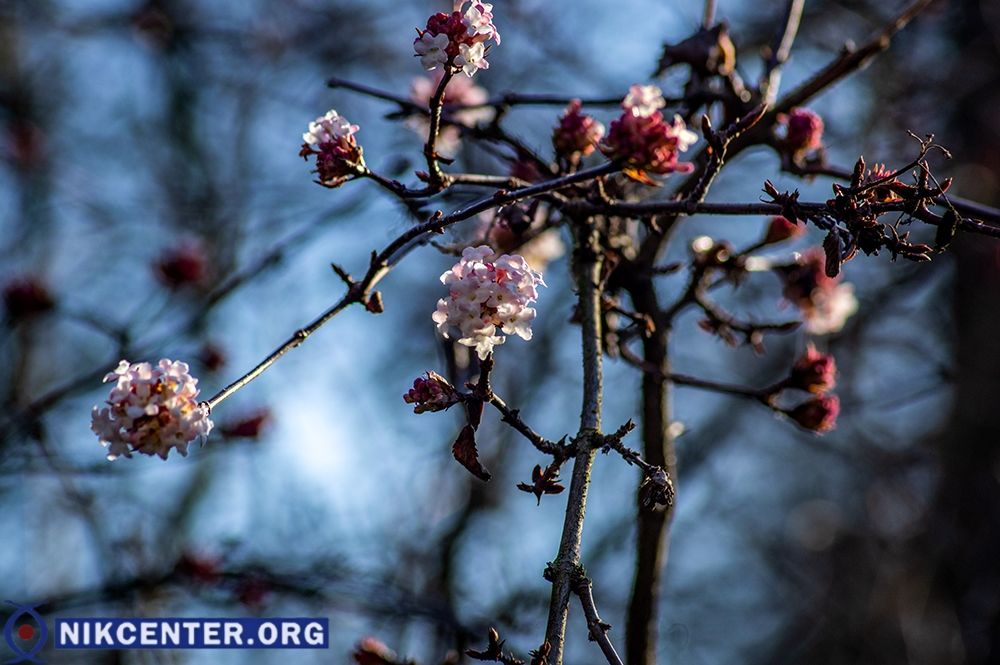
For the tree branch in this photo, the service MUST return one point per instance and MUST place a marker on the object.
(589, 259)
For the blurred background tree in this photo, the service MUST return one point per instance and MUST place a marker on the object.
(153, 204)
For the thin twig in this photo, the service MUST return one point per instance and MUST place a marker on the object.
(584, 588)
(781, 50)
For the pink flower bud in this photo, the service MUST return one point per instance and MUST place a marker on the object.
(814, 371)
(818, 414)
(803, 132)
(433, 393)
(576, 133)
(781, 229)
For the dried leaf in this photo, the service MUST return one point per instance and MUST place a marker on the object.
(466, 454)
(543, 482)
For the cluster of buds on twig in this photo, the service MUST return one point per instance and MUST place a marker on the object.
(814, 373)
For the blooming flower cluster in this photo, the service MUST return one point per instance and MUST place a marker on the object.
(338, 156)
(433, 393)
(151, 410)
(826, 304)
(487, 296)
(458, 39)
(643, 140)
(802, 132)
(577, 134)
(460, 91)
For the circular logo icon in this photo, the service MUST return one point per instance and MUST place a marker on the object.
(19, 631)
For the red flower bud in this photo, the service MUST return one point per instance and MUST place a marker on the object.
(814, 371)
(818, 414)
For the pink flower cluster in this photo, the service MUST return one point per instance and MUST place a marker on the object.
(825, 303)
(338, 156)
(802, 132)
(487, 296)
(151, 410)
(577, 134)
(433, 393)
(458, 40)
(643, 140)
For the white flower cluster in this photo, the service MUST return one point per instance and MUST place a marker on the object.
(151, 410)
(488, 296)
(329, 128)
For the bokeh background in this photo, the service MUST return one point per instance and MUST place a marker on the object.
(130, 128)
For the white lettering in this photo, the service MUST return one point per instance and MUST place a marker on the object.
(125, 634)
(267, 633)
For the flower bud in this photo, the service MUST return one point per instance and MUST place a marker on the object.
(803, 132)
(433, 393)
(576, 133)
(818, 414)
(814, 371)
